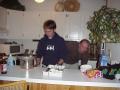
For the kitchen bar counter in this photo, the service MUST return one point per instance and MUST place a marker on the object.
(70, 77)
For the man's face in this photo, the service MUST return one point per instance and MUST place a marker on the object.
(83, 47)
(49, 32)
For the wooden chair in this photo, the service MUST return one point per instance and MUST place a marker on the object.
(19, 85)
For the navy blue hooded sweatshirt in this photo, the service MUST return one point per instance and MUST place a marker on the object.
(51, 49)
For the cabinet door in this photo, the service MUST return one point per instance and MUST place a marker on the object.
(73, 26)
(44, 17)
(15, 24)
(59, 18)
(3, 19)
(31, 25)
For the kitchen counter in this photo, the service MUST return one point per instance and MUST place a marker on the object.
(70, 77)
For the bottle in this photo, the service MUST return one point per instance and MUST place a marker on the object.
(10, 62)
(103, 59)
(4, 66)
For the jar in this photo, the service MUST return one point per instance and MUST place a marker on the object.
(27, 62)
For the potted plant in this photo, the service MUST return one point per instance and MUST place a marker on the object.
(104, 25)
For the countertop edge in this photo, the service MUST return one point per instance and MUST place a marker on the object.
(75, 83)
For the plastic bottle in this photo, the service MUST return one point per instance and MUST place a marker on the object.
(10, 62)
(104, 59)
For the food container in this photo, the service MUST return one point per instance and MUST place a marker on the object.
(27, 62)
(85, 67)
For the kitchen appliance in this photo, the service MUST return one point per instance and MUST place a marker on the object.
(11, 49)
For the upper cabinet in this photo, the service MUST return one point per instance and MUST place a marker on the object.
(70, 25)
(59, 18)
(29, 25)
(15, 24)
(33, 24)
(73, 25)
(3, 19)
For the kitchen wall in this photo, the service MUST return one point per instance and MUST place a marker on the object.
(87, 7)
(114, 4)
(78, 21)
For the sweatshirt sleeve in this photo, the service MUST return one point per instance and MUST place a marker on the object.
(39, 51)
(62, 50)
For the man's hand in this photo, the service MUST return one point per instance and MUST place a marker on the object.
(61, 61)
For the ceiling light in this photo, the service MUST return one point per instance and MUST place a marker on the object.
(39, 1)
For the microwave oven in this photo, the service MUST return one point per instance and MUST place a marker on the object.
(11, 49)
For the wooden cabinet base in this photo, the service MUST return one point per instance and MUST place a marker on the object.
(35, 86)
(4, 82)
(39, 86)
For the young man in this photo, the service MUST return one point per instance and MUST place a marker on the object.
(84, 46)
(51, 47)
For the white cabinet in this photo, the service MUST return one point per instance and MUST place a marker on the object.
(15, 24)
(44, 16)
(31, 25)
(59, 18)
(73, 26)
(3, 19)
(68, 25)
(76, 26)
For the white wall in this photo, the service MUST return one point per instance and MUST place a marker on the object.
(49, 5)
(114, 4)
